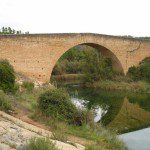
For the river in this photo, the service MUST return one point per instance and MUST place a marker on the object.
(123, 112)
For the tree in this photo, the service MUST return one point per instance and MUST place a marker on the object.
(96, 67)
(9, 30)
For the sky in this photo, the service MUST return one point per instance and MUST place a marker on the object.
(112, 17)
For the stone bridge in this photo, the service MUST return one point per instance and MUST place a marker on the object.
(35, 55)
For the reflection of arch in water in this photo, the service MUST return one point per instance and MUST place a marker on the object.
(130, 117)
(108, 101)
(112, 111)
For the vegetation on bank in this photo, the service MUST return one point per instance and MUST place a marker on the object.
(38, 144)
(78, 123)
(5, 104)
(57, 104)
(69, 120)
(140, 86)
(141, 72)
(29, 86)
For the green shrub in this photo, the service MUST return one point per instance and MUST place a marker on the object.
(38, 144)
(134, 73)
(29, 86)
(4, 102)
(57, 103)
(141, 72)
(7, 76)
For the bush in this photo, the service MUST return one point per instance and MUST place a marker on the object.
(7, 76)
(141, 72)
(29, 86)
(38, 144)
(134, 73)
(56, 103)
(4, 102)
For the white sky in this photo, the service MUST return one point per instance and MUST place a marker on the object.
(114, 17)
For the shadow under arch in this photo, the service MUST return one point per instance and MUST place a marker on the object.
(116, 63)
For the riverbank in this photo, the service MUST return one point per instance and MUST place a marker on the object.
(121, 84)
(140, 86)
(68, 78)
(24, 106)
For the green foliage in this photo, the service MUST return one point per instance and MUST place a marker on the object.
(38, 144)
(85, 60)
(5, 104)
(7, 77)
(145, 69)
(56, 103)
(74, 54)
(96, 67)
(104, 139)
(134, 73)
(59, 135)
(29, 86)
(142, 72)
(70, 62)
(60, 68)
(8, 30)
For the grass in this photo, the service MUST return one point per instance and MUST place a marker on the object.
(5, 104)
(140, 86)
(29, 86)
(97, 133)
(29, 99)
(59, 135)
(38, 144)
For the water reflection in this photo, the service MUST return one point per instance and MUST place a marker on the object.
(119, 111)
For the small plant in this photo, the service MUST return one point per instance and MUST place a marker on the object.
(4, 102)
(59, 135)
(29, 86)
(93, 147)
(38, 144)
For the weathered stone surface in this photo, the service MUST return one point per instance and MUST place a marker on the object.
(14, 132)
(36, 55)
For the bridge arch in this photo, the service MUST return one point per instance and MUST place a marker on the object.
(35, 55)
(116, 63)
